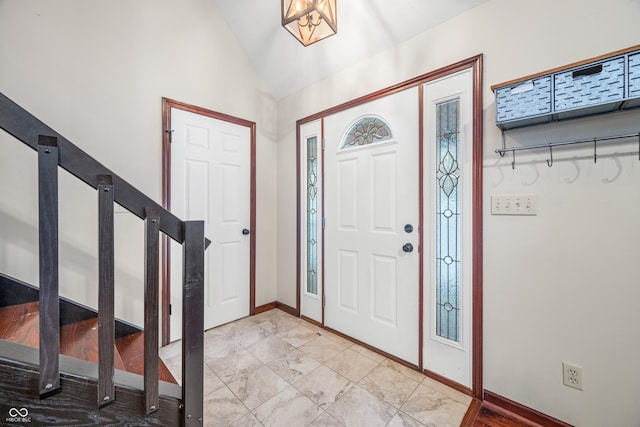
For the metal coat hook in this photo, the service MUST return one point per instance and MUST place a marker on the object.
(504, 144)
(502, 151)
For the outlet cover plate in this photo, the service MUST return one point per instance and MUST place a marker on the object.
(572, 375)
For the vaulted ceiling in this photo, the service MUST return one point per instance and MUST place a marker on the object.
(365, 27)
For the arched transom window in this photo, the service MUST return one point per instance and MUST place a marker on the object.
(365, 131)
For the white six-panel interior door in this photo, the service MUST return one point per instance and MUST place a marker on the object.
(210, 180)
(369, 194)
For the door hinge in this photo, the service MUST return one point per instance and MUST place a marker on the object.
(323, 300)
(322, 144)
(323, 223)
(170, 132)
(169, 309)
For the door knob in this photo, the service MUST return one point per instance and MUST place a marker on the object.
(245, 231)
(408, 228)
(407, 247)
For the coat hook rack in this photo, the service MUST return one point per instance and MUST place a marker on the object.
(502, 151)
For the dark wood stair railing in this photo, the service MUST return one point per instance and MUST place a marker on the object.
(53, 151)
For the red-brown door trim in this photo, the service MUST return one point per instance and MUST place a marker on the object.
(167, 105)
(420, 225)
(477, 262)
(475, 63)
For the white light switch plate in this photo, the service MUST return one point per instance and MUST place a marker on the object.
(514, 204)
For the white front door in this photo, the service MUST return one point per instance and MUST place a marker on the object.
(211, 181)
(371, 223)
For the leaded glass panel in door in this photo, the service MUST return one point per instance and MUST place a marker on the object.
(447, 230)
(312, 215)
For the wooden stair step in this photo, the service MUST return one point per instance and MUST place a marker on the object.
(131, 349)
(80, 340)
(20, 324)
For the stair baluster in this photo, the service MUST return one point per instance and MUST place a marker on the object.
(106, 265)
(193, 319)
(48, 255)
(151, 295)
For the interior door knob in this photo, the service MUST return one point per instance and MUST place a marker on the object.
(407, 247)
(245, 231)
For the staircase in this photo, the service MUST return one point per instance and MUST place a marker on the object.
(19, 324)
(19, 333)
(65, 364)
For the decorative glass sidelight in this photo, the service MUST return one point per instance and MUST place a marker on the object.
(368, 130)
(447, 232)
(312, 215)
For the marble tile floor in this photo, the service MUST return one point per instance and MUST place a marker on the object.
(274, 369)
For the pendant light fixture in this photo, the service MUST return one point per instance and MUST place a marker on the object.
(309, 20)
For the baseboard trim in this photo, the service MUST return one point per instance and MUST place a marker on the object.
(313, 322)
(471, 414)
(446, 381)
(277, 304)
(265, 307)
(292, 311)
(287, 309)
(374, 349)
(502, 404)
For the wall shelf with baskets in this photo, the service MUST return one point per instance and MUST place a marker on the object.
(598, 85)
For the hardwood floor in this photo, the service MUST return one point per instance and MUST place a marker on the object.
(488, 417)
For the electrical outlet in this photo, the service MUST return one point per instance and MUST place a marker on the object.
(518, 204)
(572, 375)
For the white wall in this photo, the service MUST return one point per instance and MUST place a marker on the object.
(96, 72)
(561, 286)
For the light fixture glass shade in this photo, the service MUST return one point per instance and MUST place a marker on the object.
(310, 20)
